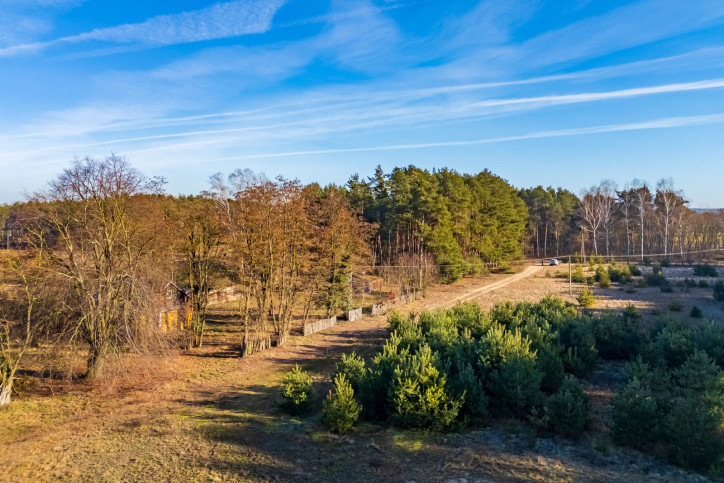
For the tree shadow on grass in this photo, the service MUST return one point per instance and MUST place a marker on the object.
(255, 438)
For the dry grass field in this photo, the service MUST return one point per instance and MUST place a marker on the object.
(207, 415)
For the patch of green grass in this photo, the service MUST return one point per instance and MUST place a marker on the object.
(408, 441)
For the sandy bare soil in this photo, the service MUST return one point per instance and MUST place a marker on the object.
(207, 415)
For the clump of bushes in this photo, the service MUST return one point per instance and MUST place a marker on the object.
(634, 270)
(719, 291)
(705, 270)
(618, 337)
(636, 415)
(417, 394)
(297, 391)
(676, 306)
(676, 410)
(569, 410)
(352, 367)
(586, 298)
(655, 278)
(621, 274)
(709, 337)
(666, 286)
(578, 276)
(696, 313)
(340, 409)
(602, 278)
(595, 260)
(703, 284)
(464, 365)
(689, 282)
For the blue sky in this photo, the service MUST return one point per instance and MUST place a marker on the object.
(539, 92)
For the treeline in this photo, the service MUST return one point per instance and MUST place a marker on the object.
(461, 221)
(99, 246)
(635, 221)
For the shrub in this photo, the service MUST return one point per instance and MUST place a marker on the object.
(297, 391)
(378, 378)
(595, 260)
(671, 343)
(665, 286)
(709, 337)
(665, 262)
(691, 433)
(655, 379)
(352, 367)
(618, 337)
(466, 386)
(690, 282)
(408, 332)
(512, 371)
(696, 313)
(676, 306)
(719, 291)
(655, 278)
(578, 276)
(476, 267)
(579, 341)
(636, 415)
(417, 393)
(569, 410)
(515, 386)
(619, 274)
(703, 284)
(471, 317)
(550, 365)
(602, 278)
(634, 270)
(700, 375)
(705, 270)
(586, 298)
(341, 411)
(631, 313)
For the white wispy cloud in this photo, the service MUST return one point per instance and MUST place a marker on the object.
(332, 117)
(635, 24)
(664, 123)
(601, 96)
(222, 20)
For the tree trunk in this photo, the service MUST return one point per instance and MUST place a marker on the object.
(281, 338)
(666, 237)
(96, 364)
(199, 326)
(6, 389)
(642, 240)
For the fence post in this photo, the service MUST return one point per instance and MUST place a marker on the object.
(570, 278)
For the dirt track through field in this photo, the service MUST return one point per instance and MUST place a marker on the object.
(489, 288)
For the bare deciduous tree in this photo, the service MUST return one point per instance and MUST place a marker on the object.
(97, 245)
(591, 214)
(668, 202)
(642, 197)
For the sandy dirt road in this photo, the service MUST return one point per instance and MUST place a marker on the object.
(485, 289)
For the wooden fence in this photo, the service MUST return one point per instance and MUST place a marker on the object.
(312, 327)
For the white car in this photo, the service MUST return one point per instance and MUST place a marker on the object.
(554, 262)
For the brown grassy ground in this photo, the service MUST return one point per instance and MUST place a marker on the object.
(207, 415)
